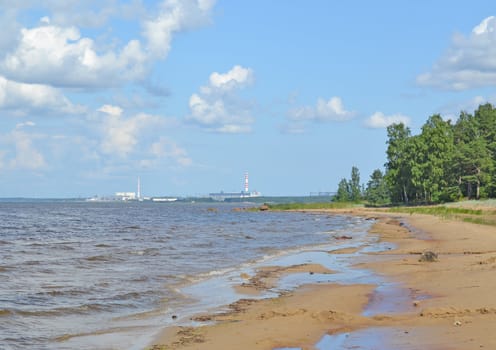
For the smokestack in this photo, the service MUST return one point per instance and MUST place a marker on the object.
(246, 182)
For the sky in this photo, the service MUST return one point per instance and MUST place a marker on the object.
(189, 95)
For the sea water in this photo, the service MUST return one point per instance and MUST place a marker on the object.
(109, 275)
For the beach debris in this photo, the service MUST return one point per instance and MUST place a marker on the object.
(188, 336)
(416, 303)
(202, 318)
(428, 257)
(174, 317)
(264, 207)
(343, 237)
(244, 276)
(457, 323)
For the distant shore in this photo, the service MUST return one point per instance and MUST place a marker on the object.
(447, 303)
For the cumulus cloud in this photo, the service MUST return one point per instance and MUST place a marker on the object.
(174, 16)
(120, 135)
(56, 53)
(380, 120)
(60, 56)
(27, 156)
(22, 98)
(165, 148)
(218, 108)
(325, 110)
(470, 62)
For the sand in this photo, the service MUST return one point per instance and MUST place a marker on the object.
(446, 304)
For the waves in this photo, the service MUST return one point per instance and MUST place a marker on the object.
(69, 268)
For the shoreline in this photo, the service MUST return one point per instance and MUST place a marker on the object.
(446, 304)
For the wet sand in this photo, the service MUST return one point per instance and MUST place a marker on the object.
(445, 304)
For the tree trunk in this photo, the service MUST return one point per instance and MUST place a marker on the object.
(478, 185)
(405, 195)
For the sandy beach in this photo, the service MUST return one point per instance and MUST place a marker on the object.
(448, 303)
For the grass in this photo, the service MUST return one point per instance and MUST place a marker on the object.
(313, 206)
(437, 210)
(484, 216)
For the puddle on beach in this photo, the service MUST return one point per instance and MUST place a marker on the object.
(370, 338)
(389, 298)
(385, 338)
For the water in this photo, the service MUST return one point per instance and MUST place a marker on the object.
(109, 275)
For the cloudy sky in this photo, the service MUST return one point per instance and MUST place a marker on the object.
(190, 94)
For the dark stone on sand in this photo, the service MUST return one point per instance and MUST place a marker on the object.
(174, 317)
(343, 237)
(264, 207)
(428, 257)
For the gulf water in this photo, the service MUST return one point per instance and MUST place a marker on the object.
(110, 275)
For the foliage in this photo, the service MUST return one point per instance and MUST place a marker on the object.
(350, 190)
(343, 193)
(377, 192)
(444, 162)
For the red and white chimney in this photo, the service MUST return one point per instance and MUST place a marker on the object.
(246, 182)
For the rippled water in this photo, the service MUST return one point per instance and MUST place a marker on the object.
(99, 275)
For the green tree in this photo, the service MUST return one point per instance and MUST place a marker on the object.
(343, 193)
(445, 161)
(398, 167)
(437, 163)
(485, 116)
(474, 163)
(377, 192)
(355, 188)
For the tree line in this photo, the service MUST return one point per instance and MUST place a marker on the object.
(446, 162)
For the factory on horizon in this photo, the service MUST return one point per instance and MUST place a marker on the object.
(222, 196)
(138, 195)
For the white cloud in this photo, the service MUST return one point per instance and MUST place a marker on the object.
(120, 135)
(60, 56)
(26, 155)
(165, 148)
(470, 62)
(380, 120)
(24, 124)
(325, 110)
(237, 77)
(22, 98)
(174, 16)
(218, 108)
(111, 110)
(54, 52)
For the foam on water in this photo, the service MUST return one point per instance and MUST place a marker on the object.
(98, 275)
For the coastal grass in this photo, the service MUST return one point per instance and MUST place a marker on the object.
(314, 206)
(477, 216)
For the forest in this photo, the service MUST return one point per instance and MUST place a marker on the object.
(448, 161)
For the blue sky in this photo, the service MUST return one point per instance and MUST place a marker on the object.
(191, 94)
